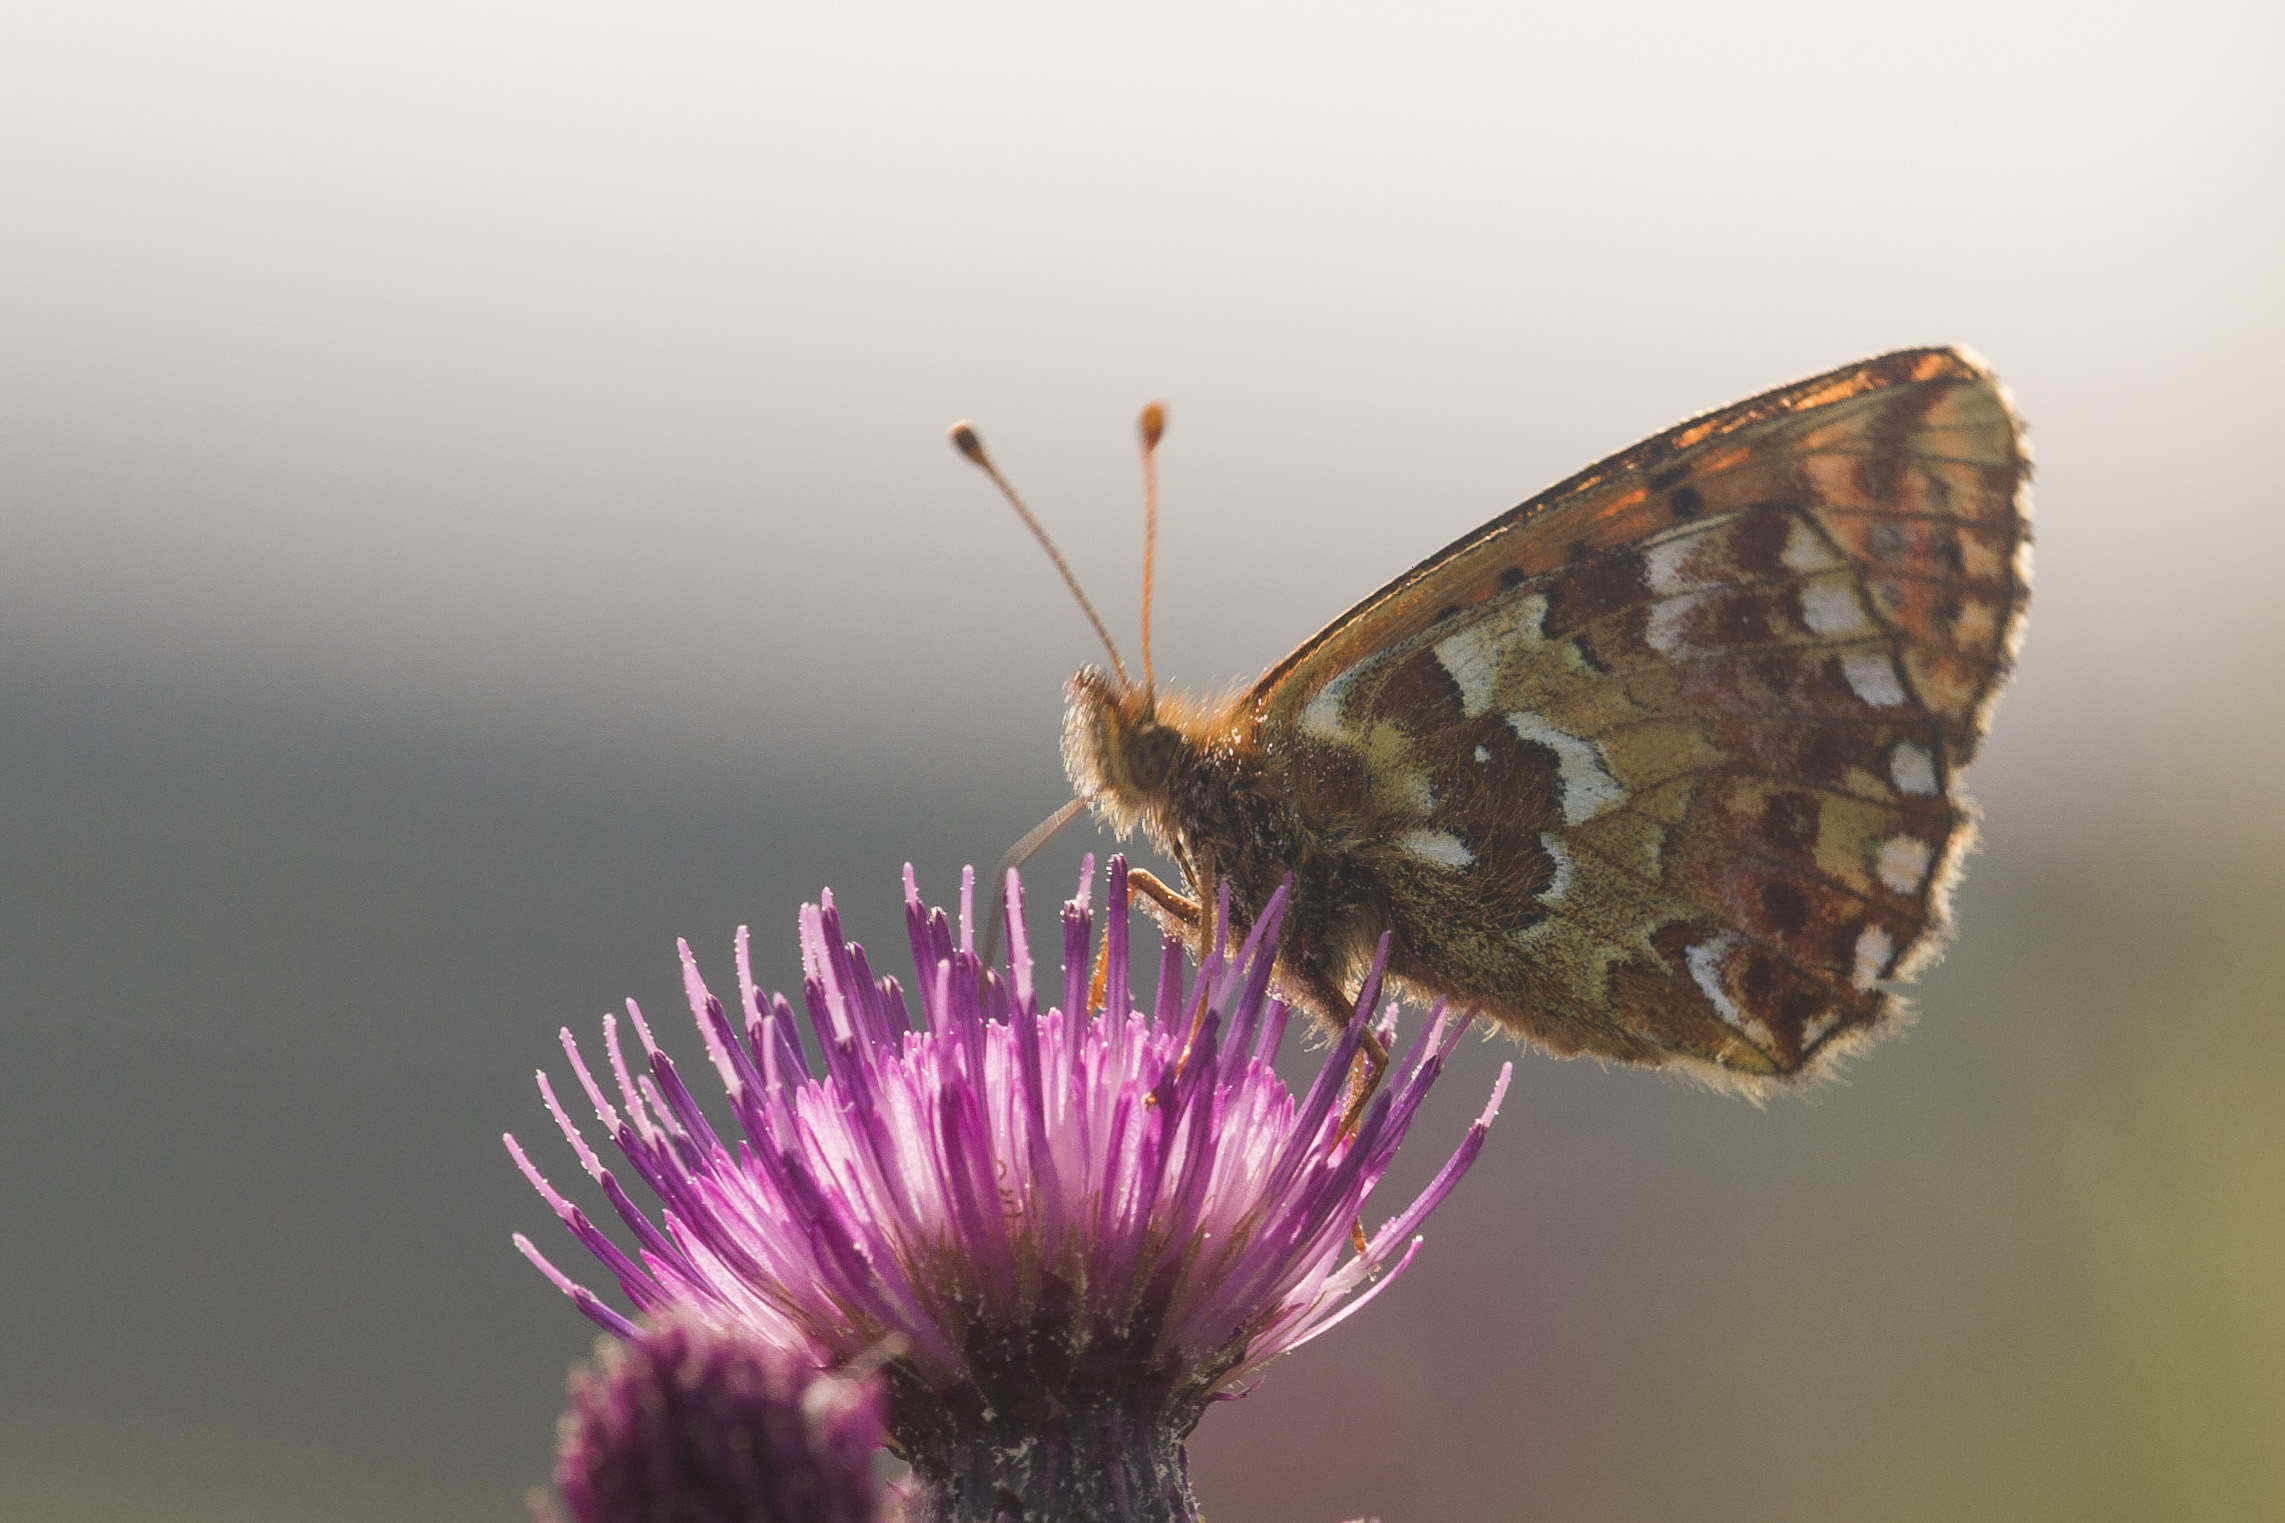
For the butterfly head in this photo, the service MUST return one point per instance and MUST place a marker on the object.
(1118, 752)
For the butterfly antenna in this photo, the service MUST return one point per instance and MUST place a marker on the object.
(965, 441)
(1153, 429)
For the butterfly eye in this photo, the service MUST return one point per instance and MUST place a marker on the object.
(1151, 755)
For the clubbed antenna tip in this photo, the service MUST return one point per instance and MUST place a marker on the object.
(963, 436)
(964, 440)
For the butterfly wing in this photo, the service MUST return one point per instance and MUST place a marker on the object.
(1662, 764)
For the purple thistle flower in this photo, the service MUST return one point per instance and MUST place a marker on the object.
(692, 1423)
(1078, 1229)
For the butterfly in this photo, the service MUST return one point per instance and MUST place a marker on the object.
(1661, 766)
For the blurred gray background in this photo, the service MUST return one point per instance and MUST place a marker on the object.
(473, 506)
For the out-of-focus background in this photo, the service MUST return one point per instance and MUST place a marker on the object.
(473, 505)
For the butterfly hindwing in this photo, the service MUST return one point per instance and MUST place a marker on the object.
(1660, 766)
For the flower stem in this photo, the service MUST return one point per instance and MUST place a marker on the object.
(1100, 1462)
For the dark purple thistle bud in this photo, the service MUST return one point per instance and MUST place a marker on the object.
(690, 1423)
(1076, 1229)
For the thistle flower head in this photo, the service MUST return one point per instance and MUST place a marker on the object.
(1065, 1220)
(688, 1422)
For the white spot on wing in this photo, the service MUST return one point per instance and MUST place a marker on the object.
(1438, 846)
(1482, 754)
(1874, 948)
(1805, 551)
(1321, 716)
(1872, 677)
(1705, 963)
(1831, 608)
(1588, 787)
(1817, 1030)
(1565, 871)
(1662, 565)
(1912, 769)
(1904, 863)
(1664, 631)
(1473, 656)
(1705, 960)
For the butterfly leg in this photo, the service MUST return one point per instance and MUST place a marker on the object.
(1364, 1080)
(1372, 1061)
(1176, 915)
(1365, 1075)
(1182, 919)
(1178, 918)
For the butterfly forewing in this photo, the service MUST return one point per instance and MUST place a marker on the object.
(1660, 766)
